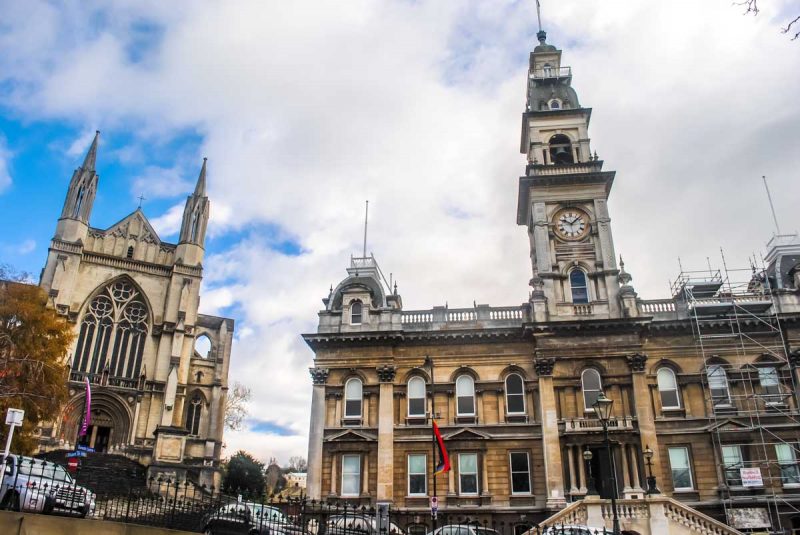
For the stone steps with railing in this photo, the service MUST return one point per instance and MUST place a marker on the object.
(654, 515)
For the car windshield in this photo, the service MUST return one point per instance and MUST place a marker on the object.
(44, 470)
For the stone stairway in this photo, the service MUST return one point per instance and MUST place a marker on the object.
(103, 473)
(654, 515)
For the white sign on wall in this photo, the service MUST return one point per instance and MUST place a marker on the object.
(751, 477)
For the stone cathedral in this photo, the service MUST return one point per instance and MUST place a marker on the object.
(704, 430)
(158, 369)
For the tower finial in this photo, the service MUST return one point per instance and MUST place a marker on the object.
(200, 188)
(366, 218)
(91, 156)
(541, 35)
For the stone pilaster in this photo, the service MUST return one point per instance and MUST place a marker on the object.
(385, 492)
(644, 410)
(315, 433)
(550, 441)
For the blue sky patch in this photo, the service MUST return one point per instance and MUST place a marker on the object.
(270, 428)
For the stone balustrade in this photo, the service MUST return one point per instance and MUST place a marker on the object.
(581, 425)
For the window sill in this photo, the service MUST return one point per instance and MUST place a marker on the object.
(685, 491)
(517, 418)
(352, 422)
(791, 486)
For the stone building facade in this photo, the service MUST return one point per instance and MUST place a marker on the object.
(158, 368)
(705, 378)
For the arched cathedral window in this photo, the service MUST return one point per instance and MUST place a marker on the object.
(194, 413)
(113, 332)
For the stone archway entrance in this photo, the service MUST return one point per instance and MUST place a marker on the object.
(110, 421)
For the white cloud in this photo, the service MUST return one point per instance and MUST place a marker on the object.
(169, 223)
(160, 182)
(5, 156)
(307, 109)
(26, 247)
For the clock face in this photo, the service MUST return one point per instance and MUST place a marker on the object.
(571, 223)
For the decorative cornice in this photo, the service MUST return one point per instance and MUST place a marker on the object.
(637, 362)
(386, 373)
(544, 366)
(319, 375)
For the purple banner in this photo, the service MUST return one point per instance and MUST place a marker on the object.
(87, 418)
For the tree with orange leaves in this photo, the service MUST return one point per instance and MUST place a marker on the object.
(33, 345)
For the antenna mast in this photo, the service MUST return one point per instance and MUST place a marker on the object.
(366, 218)
(771, 206)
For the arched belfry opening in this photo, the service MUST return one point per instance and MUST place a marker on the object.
(561, 150)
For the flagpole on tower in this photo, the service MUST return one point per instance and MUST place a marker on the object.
(539, 14)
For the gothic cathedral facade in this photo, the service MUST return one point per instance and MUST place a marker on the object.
(703, 382)
(158, 369)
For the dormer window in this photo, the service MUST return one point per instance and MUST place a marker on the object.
(356, 312)
(555, 104)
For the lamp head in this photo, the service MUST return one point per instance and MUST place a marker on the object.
(648, 453)
(602, 407)
(587, 455)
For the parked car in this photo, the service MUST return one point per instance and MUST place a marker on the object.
(268, 520)
(575, 530)
(463, 529)
(249, 518)
(38, 486)
(357, 524)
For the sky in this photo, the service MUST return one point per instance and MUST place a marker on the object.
(307, 109)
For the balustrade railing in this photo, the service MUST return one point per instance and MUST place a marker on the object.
(579, 425)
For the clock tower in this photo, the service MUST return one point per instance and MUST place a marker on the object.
(563, 201)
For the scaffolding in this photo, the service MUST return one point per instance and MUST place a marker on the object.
(749, 387)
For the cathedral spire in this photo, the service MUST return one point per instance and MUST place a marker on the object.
(91, 156)
(200, 188)
(82, 190)
(195, 214)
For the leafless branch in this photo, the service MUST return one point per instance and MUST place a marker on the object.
(789, 27)
(751, 5)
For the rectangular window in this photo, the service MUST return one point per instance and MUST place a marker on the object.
(681, 471)
(787, 460)
(732, 463)
(351, 475)
(417, 474)
(770, 385)
(520, 472)
(468, 473)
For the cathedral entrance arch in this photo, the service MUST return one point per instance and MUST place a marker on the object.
(110, 421)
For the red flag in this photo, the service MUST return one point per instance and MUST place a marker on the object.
(444, 461)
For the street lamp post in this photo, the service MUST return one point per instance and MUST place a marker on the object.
(429, 364)
(651, 480)
(590, 488)
(602, 408)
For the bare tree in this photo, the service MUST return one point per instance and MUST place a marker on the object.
(236, 406)
(793, 25)
(297, 464)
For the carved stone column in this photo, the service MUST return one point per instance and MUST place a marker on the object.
(385, 492)
(316, 433)
(582, 471)
(644, 410)
(573, 484)
(550, 441)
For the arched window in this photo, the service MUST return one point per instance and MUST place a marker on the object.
(592, 386)
(202, 347)
(416, 397)
(129, 254)
(555, 104)
(465, 396)
(352, 398)
(78, 202)
(515, 394)
(578, 286)
(193, 414)
(668, 389)
(718, 384)
(561, 149)
(355, 312)
(113, 333)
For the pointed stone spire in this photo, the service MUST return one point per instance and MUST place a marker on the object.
(91, 156)
(200, 188)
